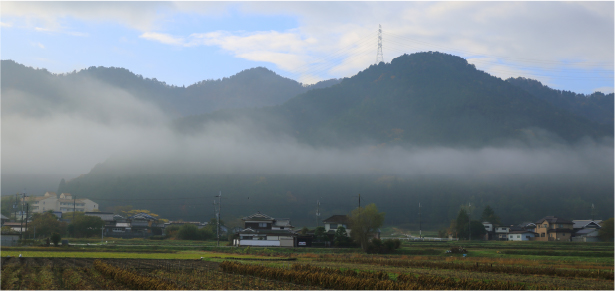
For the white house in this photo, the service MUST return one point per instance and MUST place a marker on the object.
(265, 231)
(335, 221)
(521, 235)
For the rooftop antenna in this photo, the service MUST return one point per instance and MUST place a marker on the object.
(379, 57)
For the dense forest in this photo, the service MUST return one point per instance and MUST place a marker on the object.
(596, 107)
(421, 101)
(515, 198)
(431, 99)
(256, 87)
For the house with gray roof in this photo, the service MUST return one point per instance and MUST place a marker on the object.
(265, 231)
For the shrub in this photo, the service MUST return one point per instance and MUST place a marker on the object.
(457, 250)
(55, 238)
(188, 232)
(378, 246)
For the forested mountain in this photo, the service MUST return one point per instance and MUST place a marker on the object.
(596, 107)
(427, 127)
(421, 99)
(256, 87)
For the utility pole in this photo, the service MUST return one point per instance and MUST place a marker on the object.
(15, 206)
(23, 200)
(420, 228)
(27, 214)
(379, 56)
(218, 217)
(318, 213)
(73, 222)
(593, 211)
(469, 223)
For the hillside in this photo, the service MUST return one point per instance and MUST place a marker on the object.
(256, 87)
(421, 99)
(597, 107)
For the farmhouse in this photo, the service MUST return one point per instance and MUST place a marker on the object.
(335, 221)
(266, 231)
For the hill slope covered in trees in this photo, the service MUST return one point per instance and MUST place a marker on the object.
(422, 99)
(256, 87)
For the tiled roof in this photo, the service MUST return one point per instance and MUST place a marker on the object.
(584, 223)
(553, 219)
(142, 216)
(258, 216)
(337, 219)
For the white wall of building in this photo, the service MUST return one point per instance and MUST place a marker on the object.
(260, 243)
(520, 236)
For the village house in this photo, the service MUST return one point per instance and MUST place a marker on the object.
(501, 232)
(335, 221)
(490, 230)
(266, 231)
(521, 235)
(586, 230)
(551, 228)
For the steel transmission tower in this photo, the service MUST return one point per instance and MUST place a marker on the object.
(379, 57)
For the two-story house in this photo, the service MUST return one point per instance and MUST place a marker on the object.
(266, 231)
(335, 221)
(551, 228)
(501, 232)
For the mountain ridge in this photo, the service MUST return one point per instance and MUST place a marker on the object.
(255, 87)
(420, 99)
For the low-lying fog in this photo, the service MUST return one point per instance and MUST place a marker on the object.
(85, 127)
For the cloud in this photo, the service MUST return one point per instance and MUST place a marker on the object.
(38, 44)
(605, 90)
(163, 38)
(335, 39)
(50, 15)
(3, 24)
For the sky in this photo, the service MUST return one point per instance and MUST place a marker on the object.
(565, 45)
